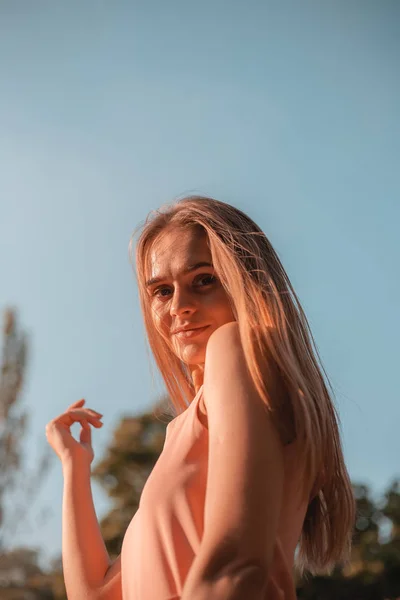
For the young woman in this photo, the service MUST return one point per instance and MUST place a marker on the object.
(252, 466)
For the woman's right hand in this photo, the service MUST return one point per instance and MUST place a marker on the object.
(60, 438)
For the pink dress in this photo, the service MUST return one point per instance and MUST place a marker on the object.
(165, 533)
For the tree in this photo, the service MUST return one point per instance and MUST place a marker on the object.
(22, 578)
(13, 425)
(374, 570)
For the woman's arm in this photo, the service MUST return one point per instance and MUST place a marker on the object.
(245, 480)
(88, 572)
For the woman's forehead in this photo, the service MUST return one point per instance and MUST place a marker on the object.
(178, 248)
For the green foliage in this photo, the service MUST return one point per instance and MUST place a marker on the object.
(16, 485)
(374, 569)
(17, 566)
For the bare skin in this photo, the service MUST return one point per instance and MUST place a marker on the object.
(86, 562)
(182, 299)
(62, 441)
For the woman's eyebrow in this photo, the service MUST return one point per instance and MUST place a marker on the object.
(188, 269)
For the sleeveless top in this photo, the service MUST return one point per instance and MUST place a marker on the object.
(164, 535)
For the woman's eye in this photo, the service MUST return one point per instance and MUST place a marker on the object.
(207, 277)
(202, 278)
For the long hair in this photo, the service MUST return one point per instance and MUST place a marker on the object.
(276, 338)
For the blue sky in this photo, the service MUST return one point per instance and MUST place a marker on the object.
(287, 110)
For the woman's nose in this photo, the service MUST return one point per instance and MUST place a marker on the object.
(181, 302)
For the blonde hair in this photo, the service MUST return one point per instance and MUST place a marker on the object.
(276, 338)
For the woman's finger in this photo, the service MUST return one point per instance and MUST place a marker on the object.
(95, 412)
(76, 404)
(85, 436)
(75, 415)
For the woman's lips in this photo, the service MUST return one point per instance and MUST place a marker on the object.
(190, 332)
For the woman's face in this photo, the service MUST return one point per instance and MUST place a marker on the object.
(182, 298)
